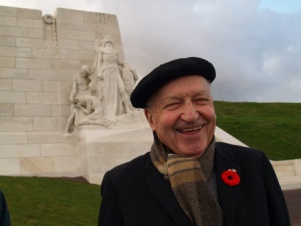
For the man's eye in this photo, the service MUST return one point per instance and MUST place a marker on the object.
(172, 105)
(202, 101)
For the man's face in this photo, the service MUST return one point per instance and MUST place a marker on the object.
(84, 73)
(182, 114)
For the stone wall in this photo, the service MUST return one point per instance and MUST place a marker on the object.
(38, 57)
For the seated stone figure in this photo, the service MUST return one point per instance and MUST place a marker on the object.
(93, 109)
(81, 87)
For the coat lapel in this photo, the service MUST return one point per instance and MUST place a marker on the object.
(227, 195)
(163, 192)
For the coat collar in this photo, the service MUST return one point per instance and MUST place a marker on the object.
(227, 196)
(162, 191)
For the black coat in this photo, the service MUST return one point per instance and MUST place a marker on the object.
(4, 214)
(136, 194)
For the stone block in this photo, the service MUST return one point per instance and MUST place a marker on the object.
(113, 30)
(7, 62)
(81, 55)
(60, 110)
(15, 52)
(12, 73)
(40, 64)
(51, 75)
(13, 138)
(45, 137)
(31, 43)
(65, 64)
(105, 164)
(74, 25)
(29, 13)
(77, 35)
(69, 15)
(68, 164)
(50, 124)
(32, 110)
(35, 33)
(6, 109)
(27, 85)
(58, 149)
(94, 151)
(95, 165)
(94, 18)
(13, 31)
(68, 44)
(283, 168)
(65, 86)
(134, 149)
(8, 21)
(42, 98)
(6, 84)
(37, 166)
(19, 150)
(15, 124)
(297, 166)
(113, 149)
(29, 23)
(8, 11)
(88, 45)
(121, 160)
(51, 86)
(95, 178)
(44, 54)
(111, 19)
(14, 97)
(7, 41)
(10, 167)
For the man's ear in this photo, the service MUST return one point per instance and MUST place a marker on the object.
(149, 116)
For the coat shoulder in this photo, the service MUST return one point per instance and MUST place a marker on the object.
(131, 170)
(226, 149)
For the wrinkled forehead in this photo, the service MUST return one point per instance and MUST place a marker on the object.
(184, 87)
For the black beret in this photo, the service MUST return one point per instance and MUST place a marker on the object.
(163, 74)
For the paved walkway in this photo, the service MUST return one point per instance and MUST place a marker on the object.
(293, 201)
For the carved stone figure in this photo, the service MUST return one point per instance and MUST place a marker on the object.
(81, 84)
(93, 109)
(108, 81)
(129, 77)
(99, 97)
(81, 87)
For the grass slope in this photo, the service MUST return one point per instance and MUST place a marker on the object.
(271, 127)
(50, 201)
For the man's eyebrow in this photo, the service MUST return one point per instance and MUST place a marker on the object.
(171, 97)
(202, 93)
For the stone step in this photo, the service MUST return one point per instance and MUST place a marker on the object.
(290, 182)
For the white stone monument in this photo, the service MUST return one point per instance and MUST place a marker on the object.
(55, 117)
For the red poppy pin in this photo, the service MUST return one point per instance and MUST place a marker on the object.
(230, 177)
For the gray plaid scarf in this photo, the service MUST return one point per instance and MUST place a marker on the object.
(188, 177)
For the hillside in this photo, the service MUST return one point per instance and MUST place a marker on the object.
(271, 127)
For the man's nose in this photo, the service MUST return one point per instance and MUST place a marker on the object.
(190, 113)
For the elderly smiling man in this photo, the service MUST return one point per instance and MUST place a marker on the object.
(187, 178)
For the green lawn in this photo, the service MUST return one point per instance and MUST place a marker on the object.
(271, 127)
(50, 202)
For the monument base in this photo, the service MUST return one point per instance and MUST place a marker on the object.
(101, 149)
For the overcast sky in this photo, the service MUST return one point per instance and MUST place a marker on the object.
(255, 45)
